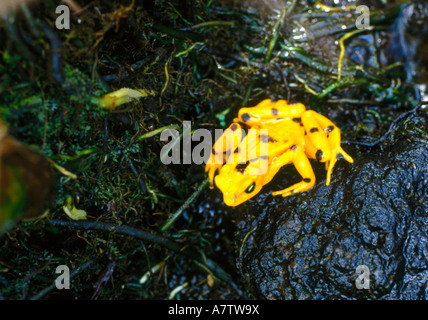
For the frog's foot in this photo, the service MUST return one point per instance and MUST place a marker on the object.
(298, 187)
(330, 164)
(303, 166)
(323, 141)
(333, 136)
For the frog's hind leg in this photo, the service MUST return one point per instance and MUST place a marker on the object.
(301, 162)
(333, 135)
(317, 145)
(323, 141)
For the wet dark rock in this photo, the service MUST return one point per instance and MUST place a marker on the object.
(408, 42)
(374, 213)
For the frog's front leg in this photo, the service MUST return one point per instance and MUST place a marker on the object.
(297, 156)
(224, 146)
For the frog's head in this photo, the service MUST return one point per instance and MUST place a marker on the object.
(237, 183)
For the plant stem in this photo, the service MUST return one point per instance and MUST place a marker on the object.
(183, 207)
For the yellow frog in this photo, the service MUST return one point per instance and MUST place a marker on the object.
(288, 132)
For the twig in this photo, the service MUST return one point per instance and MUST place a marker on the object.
(142, 183)
(29, 276)
(154, 238)
(391, 127)
(56, 54)
(275, 31)
(183, 207)
(46, 290)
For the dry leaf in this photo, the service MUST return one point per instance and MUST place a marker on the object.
(71, 211)
(114, 99)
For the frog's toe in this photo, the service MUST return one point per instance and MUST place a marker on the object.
(345, 155)
(331, 163)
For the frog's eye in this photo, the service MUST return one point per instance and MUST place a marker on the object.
(251, 188)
